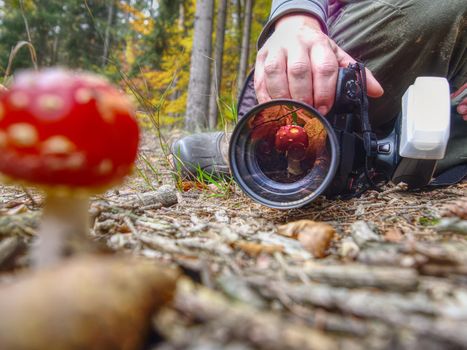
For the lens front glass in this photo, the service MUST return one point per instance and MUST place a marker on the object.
(282, 153)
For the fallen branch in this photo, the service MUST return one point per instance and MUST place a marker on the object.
(355, 276)
(239, 322)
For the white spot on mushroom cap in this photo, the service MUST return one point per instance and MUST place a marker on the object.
(83, 95)
(105, 107)
(23, 134)
(50, 102)
(56, 162)
(75, 161)
(57, 145)
(111, 104)
(105, 167)
(19, 100)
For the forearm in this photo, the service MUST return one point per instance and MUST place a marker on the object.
(280, 8)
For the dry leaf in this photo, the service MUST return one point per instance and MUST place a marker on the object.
(314, 236)
(86, 303)
(189, 185)
(255, 249)
(393, 235)
(293, 229)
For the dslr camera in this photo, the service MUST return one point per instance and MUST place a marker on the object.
(284, 153)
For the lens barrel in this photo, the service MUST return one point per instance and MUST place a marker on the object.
(283, 154)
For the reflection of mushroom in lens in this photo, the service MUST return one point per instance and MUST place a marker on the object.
(267, 121)
(292, 140)
(72, 135)
(290, 135)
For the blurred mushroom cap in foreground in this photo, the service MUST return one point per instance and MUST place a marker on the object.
(60, 128)
(86, 303)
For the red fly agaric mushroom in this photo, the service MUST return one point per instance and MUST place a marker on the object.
(71, 134)
(293, 141)
(290, 135)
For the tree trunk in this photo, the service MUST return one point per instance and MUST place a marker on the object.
(55, 49)
(245, 50)
(181, 18)
(110, 16)
(238, 22)
(217, 67)
(198, 87)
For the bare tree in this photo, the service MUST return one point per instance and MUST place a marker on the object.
(245, 49)
(217, 66)
(199, 85)
(110, 16)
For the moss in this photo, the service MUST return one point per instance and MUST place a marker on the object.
(428, 221)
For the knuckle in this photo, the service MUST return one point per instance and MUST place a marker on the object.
(273, 67)
(326, 69)
(299, 69)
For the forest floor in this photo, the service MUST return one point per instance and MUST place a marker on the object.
(392, 278)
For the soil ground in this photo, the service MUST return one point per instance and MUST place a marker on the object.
(403, 286)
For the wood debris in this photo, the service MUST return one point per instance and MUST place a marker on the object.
(389, 278)
(456, 208)
(362, 233)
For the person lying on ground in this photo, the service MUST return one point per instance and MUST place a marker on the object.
(304, 43)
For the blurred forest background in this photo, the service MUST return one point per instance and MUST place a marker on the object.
(185, 58)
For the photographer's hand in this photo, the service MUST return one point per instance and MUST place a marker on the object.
(462, 109)
(462, 106)
(300, 62)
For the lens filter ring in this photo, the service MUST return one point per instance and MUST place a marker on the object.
(283, 154)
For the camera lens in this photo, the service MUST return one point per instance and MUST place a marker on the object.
(283, 154)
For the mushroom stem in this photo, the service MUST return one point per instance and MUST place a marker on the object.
(64, 229)
(294, 167)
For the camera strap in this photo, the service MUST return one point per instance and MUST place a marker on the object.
(370, 141)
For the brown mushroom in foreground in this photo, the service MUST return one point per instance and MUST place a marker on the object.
(71, 134)
(100, 303)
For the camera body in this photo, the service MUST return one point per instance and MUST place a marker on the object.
(342, 156)
(345, 118)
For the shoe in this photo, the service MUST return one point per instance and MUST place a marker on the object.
(206, 151)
